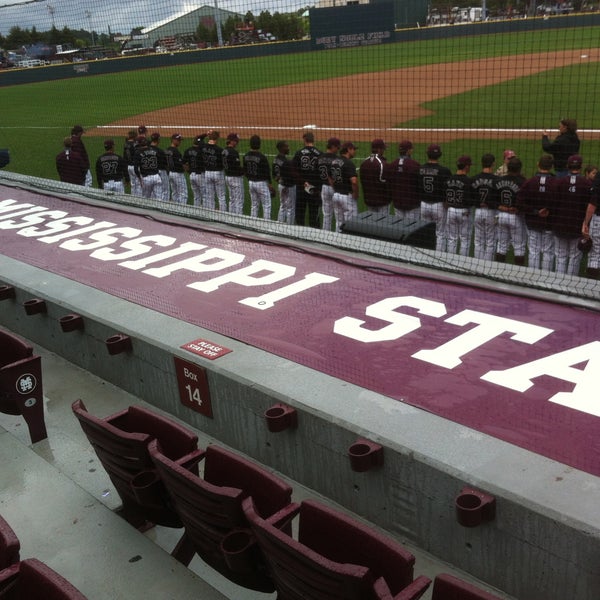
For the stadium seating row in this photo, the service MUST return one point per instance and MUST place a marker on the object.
(239, 517)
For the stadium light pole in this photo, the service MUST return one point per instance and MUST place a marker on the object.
(88, 15)
(51, 10)
(218, 24)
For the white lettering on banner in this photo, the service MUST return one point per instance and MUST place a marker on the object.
(561, 365)
(136, 265)
(400, 323)
(9, 205)
(55, 214)
(488, 327)
(214, 259)
(133, 247)
(268, 300)
(30, 218)
(248, 276)
(55, 226)
(67, 234)
(104, 238)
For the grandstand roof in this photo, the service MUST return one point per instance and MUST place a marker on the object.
(187, 21)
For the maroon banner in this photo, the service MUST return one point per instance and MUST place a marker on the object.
(526, 371)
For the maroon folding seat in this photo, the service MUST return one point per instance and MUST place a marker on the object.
(448, 587)
(9, 545)
(31, 579)
(210, 508)
(334, 557)
(21, 384)
(121, 443)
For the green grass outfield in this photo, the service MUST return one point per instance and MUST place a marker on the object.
(35, 117)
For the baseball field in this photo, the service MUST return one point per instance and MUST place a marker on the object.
(471, 94)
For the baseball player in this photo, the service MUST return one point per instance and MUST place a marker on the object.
(511, 224)
(375, 187)
(323, 165)
(78, 146)
(533, 201)
(458, 201)
(258, 173)
(565, 144)
(308, 187)
(344, 181)
(128, 152)
(503, 168)
(485, 200)
(70, 165)
(568, 215)
(214, 177)
(145, 161)
(192, 162)
(283, 174)
(179, 191)
(163, 169)
(432, 180)
(234, 172)
(403, 178)
(591, 228)
(111, 169)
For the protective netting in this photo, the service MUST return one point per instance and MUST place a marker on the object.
(388, 91)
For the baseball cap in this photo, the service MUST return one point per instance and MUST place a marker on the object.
(155, 136)
(574, 161)
(584, 244)
(233, 137)
(378, 143)
(509, 154)
(142, 129)
(109, 144)
(434, 151)
(77, 129)
(405, 145)
(464, 160)
(347, 146)
(333, 142)
(176, 136)
(141, 140)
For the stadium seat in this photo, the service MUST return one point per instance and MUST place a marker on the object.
(210, 508)
(121, 443)
(9, 545)
(448, 587)
(21, 384)
(31, 579)
(334, 557)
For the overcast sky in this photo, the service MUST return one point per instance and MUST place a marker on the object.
(120, 15)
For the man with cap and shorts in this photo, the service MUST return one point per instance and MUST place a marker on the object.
(145, 161)
(344, 181)
(214, 176)
(111, 169)
(485, 199)
(432, 189)
(568, 216)
(403, 179)
(283, 174)
(179, 190)
(458, 204)
(234, 174)
(162, 166)
(192, 162)
(323, 164)
(373, 179)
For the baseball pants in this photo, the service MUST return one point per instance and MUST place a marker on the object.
(484, 227)
(136, 186)
(166, 186)
(88, 179)
(235, 186)
(594, 254)
(436, 213)
(458, 228)
(511, 230)
(114, 186)
(179, 190)
(568, 256)
(260, 196)
(541, 249)
(287, 204)
(197, 184)
(327, 206)
(410, 215)
(305, 200)
(344, 209)
(214, 187)
(152, 187)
